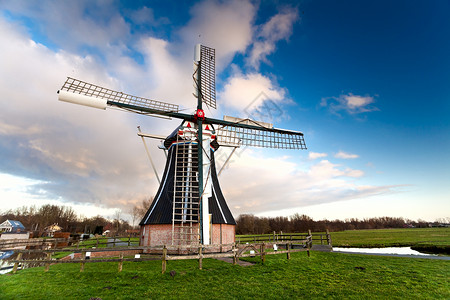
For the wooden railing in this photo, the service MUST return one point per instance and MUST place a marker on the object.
(245, 246)
(317, 238)
(47, 243)
(166, 253)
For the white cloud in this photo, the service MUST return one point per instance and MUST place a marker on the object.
(145, 17)
(279, 27)
(353, 173)
(352, 104)
(345, 155)
(81, 155)
(241, 90)
(92, 24)
(89, 156)
(224, 26)
(316, 155)
(257, 184)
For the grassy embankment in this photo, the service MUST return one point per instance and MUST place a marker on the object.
(322, 275)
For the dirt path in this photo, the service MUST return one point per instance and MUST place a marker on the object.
(240, 262)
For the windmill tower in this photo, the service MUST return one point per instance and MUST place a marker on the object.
(189, 207)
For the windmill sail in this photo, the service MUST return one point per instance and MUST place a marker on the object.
(237, 132)
(81, 92)
(205, 81)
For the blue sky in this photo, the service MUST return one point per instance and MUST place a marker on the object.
(366, 81)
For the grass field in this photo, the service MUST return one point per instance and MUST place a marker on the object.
(331, 275)
(435, 240)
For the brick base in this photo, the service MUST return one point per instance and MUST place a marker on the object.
(161, 234)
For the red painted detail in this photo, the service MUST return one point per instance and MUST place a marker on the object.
(213, 137)
(180, 132)
(199, 114)
(189, 125)
(207, 127)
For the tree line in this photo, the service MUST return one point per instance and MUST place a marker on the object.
(250, 224)
(37, 219)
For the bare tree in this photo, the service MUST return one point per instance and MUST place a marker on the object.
(141, 209)
(135, 214)
(117, 215)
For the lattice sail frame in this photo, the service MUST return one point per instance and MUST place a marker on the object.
(88, 89)
(208, 75)
(238, 134)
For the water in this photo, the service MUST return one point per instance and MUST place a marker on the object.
(5, 267)
(388, 250)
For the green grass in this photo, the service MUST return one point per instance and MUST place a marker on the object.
(392, 237)
(434, 240)
(323, 275)
(133, 239)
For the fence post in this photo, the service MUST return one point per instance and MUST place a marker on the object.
(263, 253)
(288, 248)
(200, 258)
(83, 257)
(121, 261)
(310, 238)
(164, 259)
(235, 258)
(47, 265)
(129, 240)
(16, 264)
(96, 245)
(328, 238)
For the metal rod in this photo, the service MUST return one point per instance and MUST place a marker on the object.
(148, 154)
(226, 162)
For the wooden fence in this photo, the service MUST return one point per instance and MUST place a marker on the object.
(48, 243)
(324, 238)
(237, 252)
(284, 244)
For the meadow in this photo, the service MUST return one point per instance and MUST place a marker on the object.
(435, 240)
(322, 275)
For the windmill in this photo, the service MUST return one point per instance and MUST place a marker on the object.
(189, 202)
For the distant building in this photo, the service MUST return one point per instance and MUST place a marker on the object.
(50, 230)
(12, 226)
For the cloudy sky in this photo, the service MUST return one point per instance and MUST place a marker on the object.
(368, 82)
